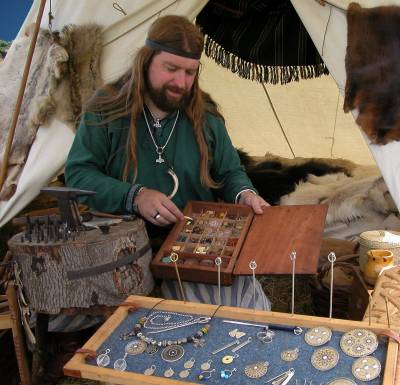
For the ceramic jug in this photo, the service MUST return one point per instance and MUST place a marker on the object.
(377, 260)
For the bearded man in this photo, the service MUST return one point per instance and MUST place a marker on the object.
(153, 123)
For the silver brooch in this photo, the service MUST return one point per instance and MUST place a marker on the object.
(366, 368)
(172, 353)
(359, 342)
(325, 358)
(318, 336)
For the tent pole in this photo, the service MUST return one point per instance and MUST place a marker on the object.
(277, 119)
(11, 132)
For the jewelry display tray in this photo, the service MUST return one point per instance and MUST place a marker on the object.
(238, 236)
(83, 365)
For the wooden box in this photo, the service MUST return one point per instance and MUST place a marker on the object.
(78, 367)
(238, 236)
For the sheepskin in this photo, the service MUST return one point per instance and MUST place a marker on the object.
(63, 75)
(38, 104)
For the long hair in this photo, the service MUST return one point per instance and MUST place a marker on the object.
(125, 96)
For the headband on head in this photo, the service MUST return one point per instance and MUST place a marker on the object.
(162, 47)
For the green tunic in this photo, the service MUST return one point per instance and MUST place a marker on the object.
(97, 158)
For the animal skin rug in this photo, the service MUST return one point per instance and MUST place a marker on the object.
(365, 202)
(372, 66)
(63, 75)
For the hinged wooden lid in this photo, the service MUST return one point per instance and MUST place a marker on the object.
(275, 234)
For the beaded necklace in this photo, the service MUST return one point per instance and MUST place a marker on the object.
(195, 338)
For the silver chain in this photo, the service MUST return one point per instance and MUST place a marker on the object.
(160, 149)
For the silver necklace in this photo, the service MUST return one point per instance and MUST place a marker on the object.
(160, 149)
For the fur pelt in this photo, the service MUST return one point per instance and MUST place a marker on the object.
(373, 70)
(348, 198)
(64, 73)
(275, 176)
(47, 68)
(83, 44)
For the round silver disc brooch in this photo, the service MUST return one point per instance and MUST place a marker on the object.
(359, 342)
(366, 368)
(318, 336)
(257, 369)
(325, 358)
(135, 347)
(172, 353)
(342, 381)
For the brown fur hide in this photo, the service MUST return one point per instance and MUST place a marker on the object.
(63, 74)
(373, 70)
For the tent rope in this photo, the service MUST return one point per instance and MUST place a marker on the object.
(334, 124)
(278, 120)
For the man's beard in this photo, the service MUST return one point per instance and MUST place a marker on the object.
(165, 102)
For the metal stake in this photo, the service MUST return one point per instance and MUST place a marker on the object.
(218, 262)
(174, 258)
(331, 259)
(293, 259)
(253, 266)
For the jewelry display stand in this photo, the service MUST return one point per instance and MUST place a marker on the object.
(250, 359)
(236, 235)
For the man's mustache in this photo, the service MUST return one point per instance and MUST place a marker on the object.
(176, 90)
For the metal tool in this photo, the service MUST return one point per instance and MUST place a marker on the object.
(297, 330)
(236, 342)
(285, 377)
(244, 343)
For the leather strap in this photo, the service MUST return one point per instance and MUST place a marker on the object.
(96, 270)
(390, 334)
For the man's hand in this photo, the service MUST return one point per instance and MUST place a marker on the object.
(248, 198)
(157, 208)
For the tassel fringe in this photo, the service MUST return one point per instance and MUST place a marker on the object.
(258, 72)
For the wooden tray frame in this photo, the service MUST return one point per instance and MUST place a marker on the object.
(77, 366)
(201, 273)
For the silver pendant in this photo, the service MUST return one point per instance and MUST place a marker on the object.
(159, 152)
(169, 373)
(189, 364)
(206, 365)
(290, 355)
(184, 373)
(103, 360)
(150, 371)
(120, 364)
(159, 159)
(157, 124)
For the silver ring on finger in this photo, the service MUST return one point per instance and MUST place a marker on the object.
(157, 216)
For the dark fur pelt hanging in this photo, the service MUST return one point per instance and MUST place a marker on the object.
(274, 178)
(372, 69)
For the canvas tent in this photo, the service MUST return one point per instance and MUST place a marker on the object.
(310, 111)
